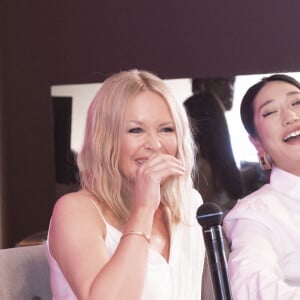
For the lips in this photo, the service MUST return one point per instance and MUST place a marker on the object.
(291, 135)
(140, 161)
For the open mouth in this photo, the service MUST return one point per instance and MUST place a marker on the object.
(292, 135)
(141, 161)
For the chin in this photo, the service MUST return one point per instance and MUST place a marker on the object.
(128, 178)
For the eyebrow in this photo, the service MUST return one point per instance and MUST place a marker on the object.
(141, 122)
(271, 100)
(293, 93)
(264, 104)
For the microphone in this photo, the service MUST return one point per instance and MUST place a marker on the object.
(209, 216)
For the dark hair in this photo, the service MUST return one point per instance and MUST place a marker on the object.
(219, 87)
(211, 135)
(247, 110)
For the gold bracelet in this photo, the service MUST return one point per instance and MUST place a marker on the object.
(144, 235)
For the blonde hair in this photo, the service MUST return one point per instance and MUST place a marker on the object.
(98, 160)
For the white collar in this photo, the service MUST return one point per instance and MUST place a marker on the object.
(285, 183)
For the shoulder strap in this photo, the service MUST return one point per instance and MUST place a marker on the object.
(99, 211)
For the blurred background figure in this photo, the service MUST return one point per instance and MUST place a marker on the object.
(217, 177)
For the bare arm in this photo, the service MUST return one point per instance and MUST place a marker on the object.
(78, 246)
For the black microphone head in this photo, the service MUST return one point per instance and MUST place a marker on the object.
(209, 214)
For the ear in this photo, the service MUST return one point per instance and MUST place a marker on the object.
(257, 144)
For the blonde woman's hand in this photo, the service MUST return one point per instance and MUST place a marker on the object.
(149, 177)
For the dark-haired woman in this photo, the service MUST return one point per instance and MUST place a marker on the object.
(264, 227)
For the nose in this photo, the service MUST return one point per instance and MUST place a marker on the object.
(289, 117)
(152, 142)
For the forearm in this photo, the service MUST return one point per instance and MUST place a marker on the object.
(123, 275)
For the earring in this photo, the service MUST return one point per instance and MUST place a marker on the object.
(265, 161)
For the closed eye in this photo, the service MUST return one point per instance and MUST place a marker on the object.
(135, 130)
(296, 103)
(268, 113)
(167, 129)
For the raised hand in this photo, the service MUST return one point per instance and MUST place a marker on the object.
(149, 177)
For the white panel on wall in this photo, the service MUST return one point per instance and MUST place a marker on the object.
(181, 88)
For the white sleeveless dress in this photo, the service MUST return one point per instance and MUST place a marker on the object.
(178, 279)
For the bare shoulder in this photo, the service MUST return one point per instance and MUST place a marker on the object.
(74, 203)
(76, 212)
(77, 237)
(75, 198)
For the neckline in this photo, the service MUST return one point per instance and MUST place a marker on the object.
(119, 234)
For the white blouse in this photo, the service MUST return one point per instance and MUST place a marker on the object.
(178, 279)
(264, 232)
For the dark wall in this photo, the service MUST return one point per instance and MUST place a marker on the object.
(58, 42)
(84, 41)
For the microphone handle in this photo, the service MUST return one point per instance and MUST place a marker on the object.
(214, 242)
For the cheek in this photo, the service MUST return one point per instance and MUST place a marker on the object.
(268, 141)
(267, 134)
(172, 146)
(124, 149)
(129, 146)
(124, 161)
(266, 129)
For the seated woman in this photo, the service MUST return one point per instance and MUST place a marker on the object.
(263, 227)
(130, 232)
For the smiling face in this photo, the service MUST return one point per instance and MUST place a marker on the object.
(149, 129)
(277, 123)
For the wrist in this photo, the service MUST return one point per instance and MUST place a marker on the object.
(140, 220)
(136, 233)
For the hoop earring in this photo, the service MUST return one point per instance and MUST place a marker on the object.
(265, 161)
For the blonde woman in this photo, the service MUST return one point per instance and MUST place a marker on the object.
(130, 232)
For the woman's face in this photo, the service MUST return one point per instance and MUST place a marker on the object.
(277, 122)
(149, 128)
